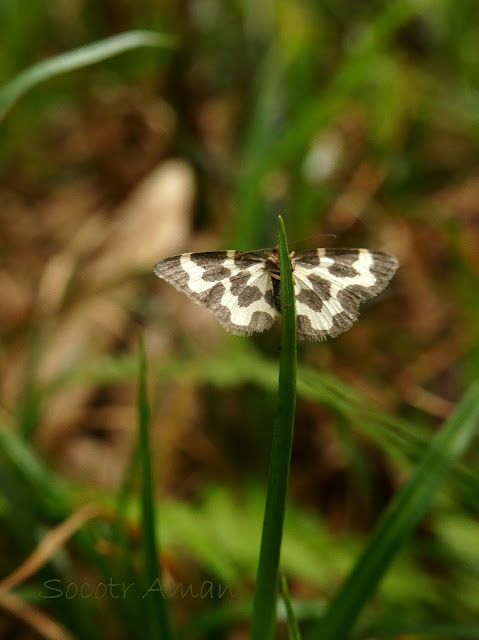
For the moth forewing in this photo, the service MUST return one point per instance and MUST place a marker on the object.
(331, 284)
(235, 286)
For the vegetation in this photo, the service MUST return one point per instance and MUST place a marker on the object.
(133, 480)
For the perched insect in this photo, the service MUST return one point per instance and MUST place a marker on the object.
(243, 289)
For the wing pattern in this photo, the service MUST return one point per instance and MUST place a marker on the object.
(235, 286)
(331, 284)
(239, 289)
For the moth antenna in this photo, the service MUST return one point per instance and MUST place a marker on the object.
(312, 239)
(254, 250)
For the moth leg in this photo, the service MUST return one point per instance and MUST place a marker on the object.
(293, 264)
(274, 259)
(278, 277)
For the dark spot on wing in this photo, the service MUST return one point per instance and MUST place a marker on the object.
(321, 286)
(260, 320)
(205, 260)
(383, 269)
(268, 296)
(343, 261)
(212, 297)
(341, 322)
(248, 295)
(305, 329)
(311, 258)
(212, 263)
(311, 299)
(345, 256)
(169, 265)
(238, 283)
(342, 270)
(315, 296)
(173, 272)
(351, 296)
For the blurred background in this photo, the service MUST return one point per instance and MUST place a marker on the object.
(358, 122)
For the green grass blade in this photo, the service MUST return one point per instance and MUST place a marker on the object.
(397, 523)
(288, 145)
(48, 490)
(261, 135)
(264, 608)
(121, 562)
(156, 602)
(293, 629)
(76, 59)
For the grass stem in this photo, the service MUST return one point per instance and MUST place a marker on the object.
(264, 608)
(156, 602)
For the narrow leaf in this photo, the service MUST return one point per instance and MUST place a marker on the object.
(264, 609)
(154, 595)
(76, 59)
(395, 526)
(293, 629)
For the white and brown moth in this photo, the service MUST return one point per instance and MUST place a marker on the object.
(243, 289)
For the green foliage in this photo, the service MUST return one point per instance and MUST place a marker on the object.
(405, 512)
(264, 611)
(157, 605)
(77, 59)
(357, 120)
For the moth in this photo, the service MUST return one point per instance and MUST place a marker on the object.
(243, 289)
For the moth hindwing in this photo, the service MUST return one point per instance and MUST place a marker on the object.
(242, 289)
